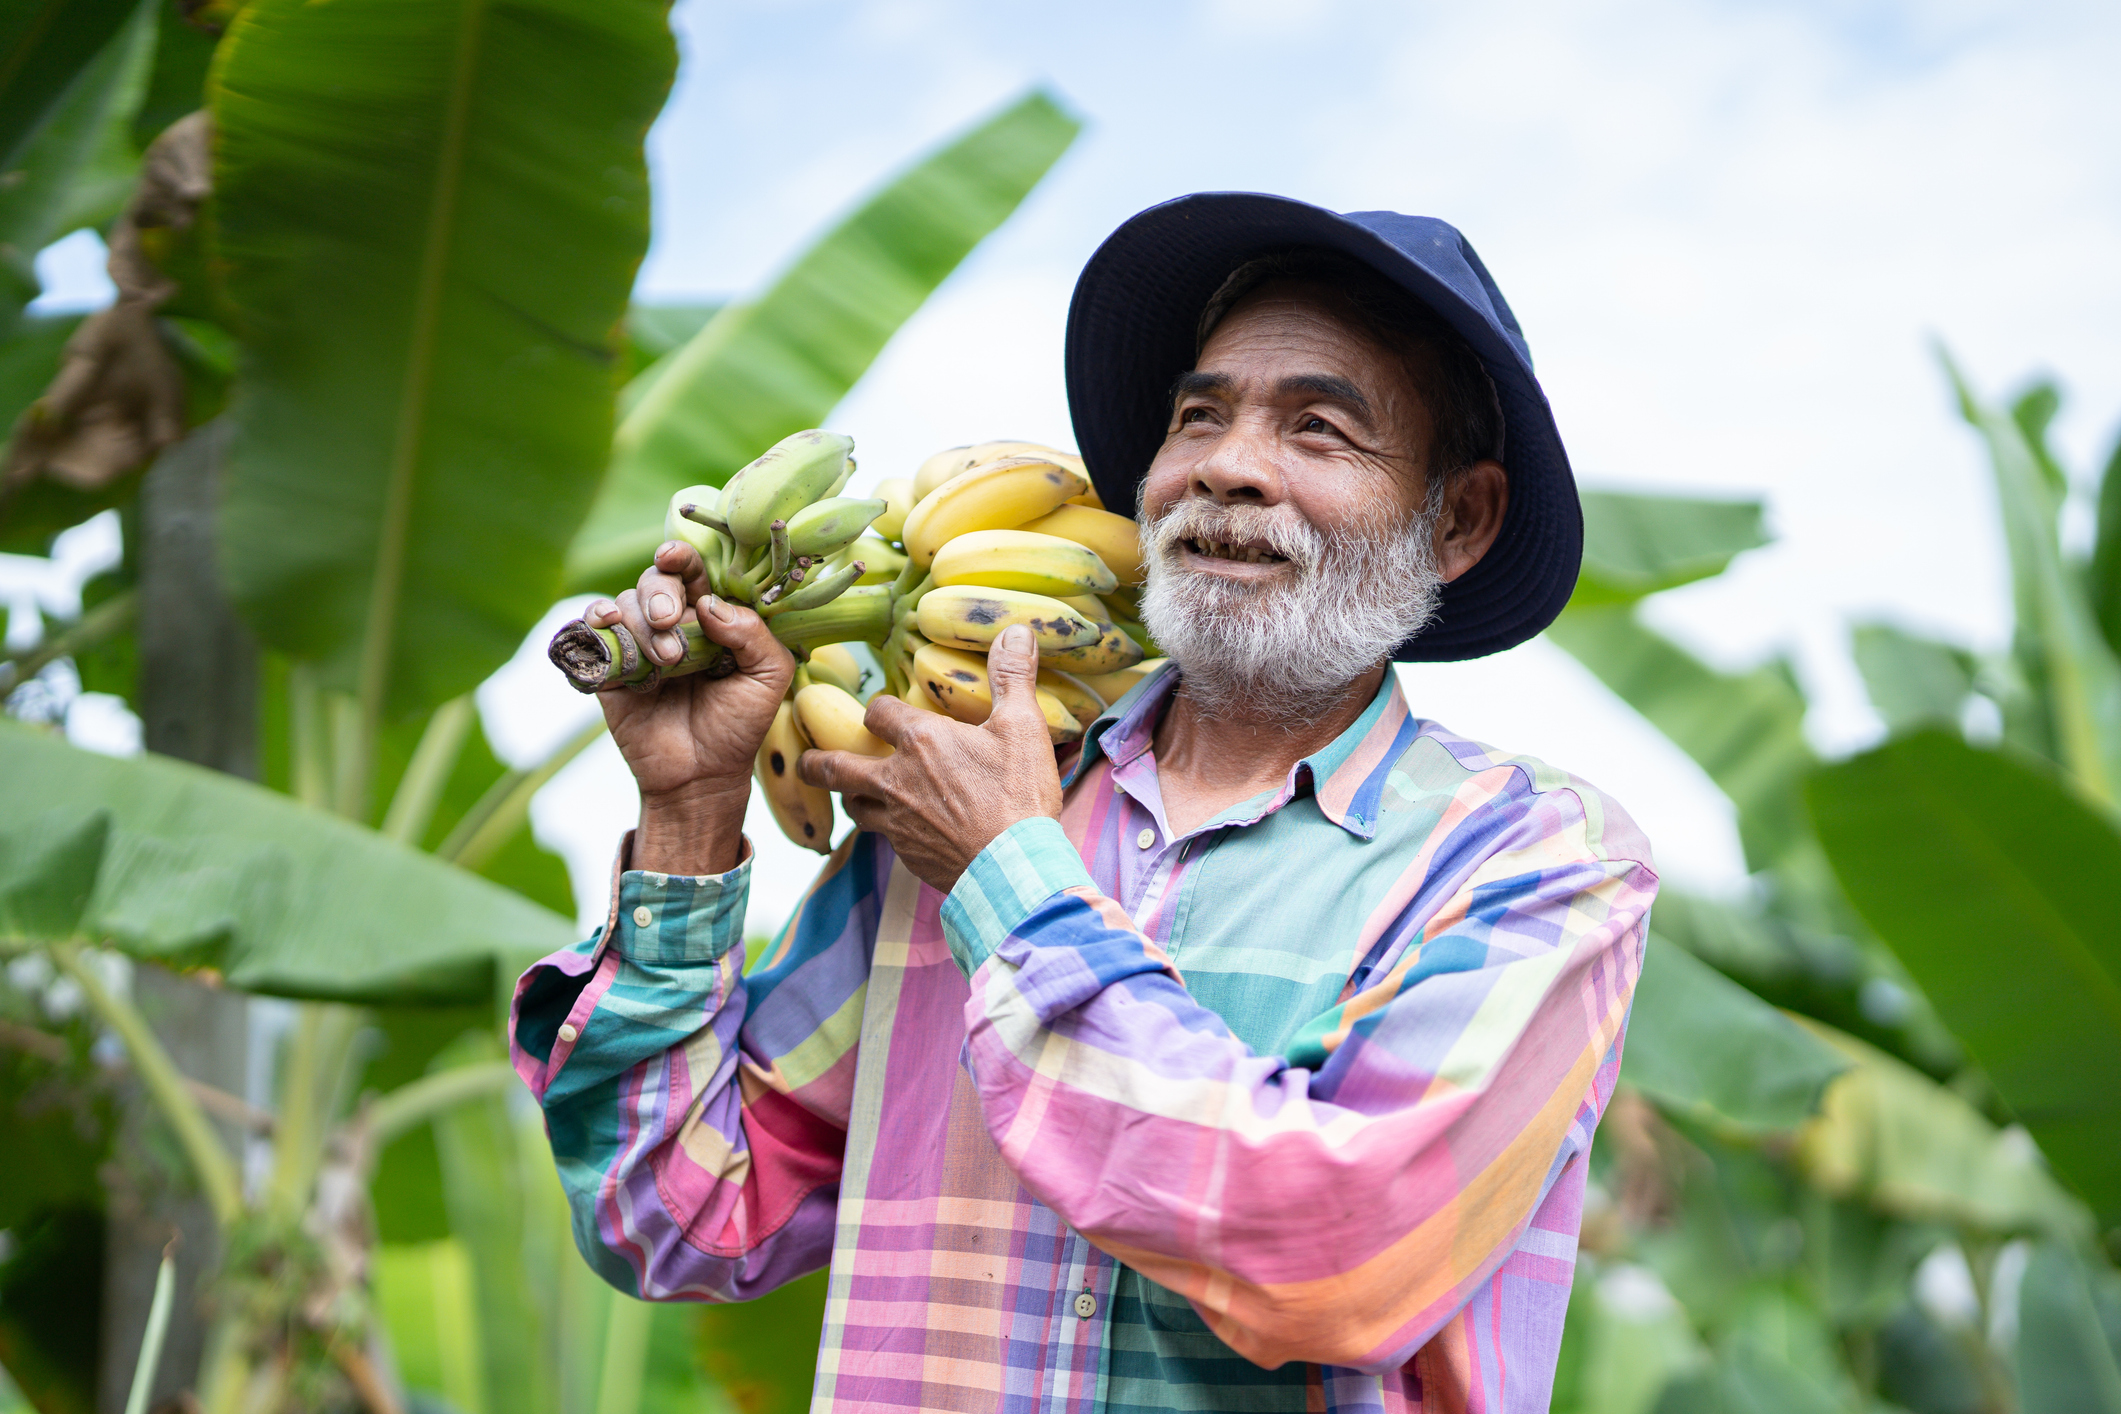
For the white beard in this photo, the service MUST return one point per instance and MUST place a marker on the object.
(1284, 653)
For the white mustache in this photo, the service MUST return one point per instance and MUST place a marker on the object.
(1294, 539)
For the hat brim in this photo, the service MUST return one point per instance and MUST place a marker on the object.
(1131, 328)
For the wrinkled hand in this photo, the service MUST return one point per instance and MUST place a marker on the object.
(948, 789)
(690, 740)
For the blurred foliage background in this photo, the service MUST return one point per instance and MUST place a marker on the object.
(373, 264)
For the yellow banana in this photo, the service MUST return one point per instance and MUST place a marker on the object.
(1112, 651)
(1082, 703)
(944, 465)
(1113, 686)
(917, 696)
(1089, 606)
(967, 616)
(997, 496)
(1116, 539)
(958, 680)
(831, 662)
(1018, 559)
(804, 812)
(896, 492)
(832, 719)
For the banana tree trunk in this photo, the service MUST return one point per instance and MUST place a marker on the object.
(199, 702)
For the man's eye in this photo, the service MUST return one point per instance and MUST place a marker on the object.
(1192, 415)
(1316, 424)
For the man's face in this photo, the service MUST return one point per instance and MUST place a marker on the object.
(1294, 410)
(1290, 549)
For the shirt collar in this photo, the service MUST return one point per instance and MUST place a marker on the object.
(1346, 776)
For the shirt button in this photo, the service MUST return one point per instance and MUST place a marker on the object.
(642, 917)
(1145, 838)
(568, 1033)
(1086, 1305)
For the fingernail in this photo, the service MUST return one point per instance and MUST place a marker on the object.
(1016, 639)
(661, 606)
(712, 604)
(669, 646)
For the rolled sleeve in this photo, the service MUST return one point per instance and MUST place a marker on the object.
(672, 920)
(1020, 869)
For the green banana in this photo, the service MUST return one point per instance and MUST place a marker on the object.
(795, 471)
(828, 526)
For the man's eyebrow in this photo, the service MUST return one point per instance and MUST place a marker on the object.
(1199, 382)
(1330, 386)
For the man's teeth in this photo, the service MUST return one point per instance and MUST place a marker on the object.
(1219, 550)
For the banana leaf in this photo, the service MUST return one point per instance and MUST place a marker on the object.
(767, 367)
(430, 217)
(1636, 545)
(2057, 640)
(1703, 1046)
(1993, 883)
(43, 45)
(2103, 576)
(1746, 730)
(202, 869)
(1892, 1138)
(2069, 1359)
(71, 149)
(177, 83)
(1914, 682)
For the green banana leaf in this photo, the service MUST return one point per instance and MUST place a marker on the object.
(2057, 639)
(428, 259)
(1624, 1341)
(62, 176)
(1703, 1046)
(1994, 883)
(1635, 545)
(781, 362)
(1892, 1138)
(203, 869)
(177, 83)
(1825, 975)
(2069, 1359)
(1914, 682)
(1746, 730)
(2103, 575)
(43, 45)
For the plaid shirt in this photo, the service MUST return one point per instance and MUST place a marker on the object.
(1289, 1112)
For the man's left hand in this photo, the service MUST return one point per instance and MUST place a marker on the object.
(948, 789)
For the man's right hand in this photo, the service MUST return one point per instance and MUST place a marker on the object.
(690, 741)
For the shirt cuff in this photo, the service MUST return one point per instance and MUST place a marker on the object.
(670, 920)
(1019, 870)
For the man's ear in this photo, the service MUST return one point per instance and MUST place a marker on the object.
(1473, 509)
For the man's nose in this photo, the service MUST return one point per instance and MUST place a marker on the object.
(1241, 466)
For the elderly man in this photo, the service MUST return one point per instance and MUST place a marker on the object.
(1246, 1057)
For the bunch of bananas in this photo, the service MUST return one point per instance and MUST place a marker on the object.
(927, 574)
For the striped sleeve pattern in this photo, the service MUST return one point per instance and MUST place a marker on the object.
(698, 1116)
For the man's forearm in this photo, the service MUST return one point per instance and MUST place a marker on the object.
(696, 830)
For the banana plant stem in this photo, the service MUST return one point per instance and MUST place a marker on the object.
(412, 805)
(211, 1162)
(413, 1104)
(107, 620)
(157, 1327)
(311, 746)
(501, 811)
(625, 1356)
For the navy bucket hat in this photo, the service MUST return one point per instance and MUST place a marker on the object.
(1131, 329)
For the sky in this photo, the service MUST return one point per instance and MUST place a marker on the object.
(1733, 234)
